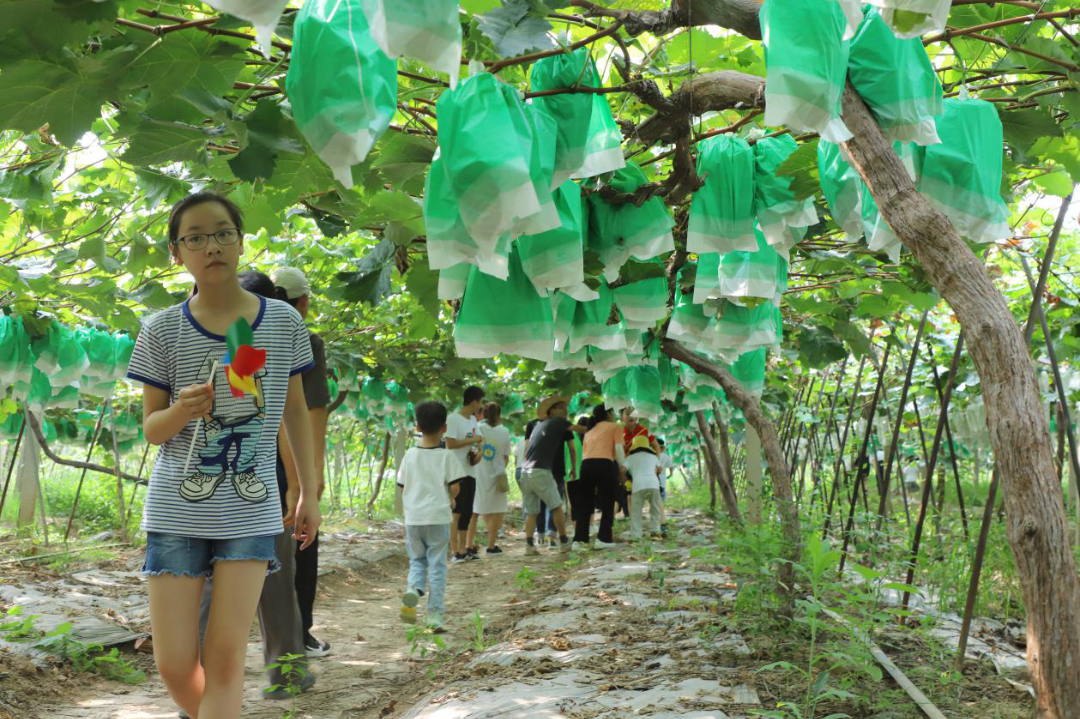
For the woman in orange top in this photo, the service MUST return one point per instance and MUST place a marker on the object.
(603, 454)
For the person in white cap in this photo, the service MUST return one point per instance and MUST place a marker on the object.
(296, 290)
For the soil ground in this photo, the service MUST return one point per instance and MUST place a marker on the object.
(636, 631)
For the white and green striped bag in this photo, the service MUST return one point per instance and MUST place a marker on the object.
(504, 317)
(573, 111)
(754, 275)
(806, 63)
(643, 388)
(962, 175)
(598, 324)
(603, 146)
(452, 281)
(554, 259)
(618, 232)
(737, 329)
(749, 371)
(707, 283)
(842, 187)
(428, 30)
(342, 87)
(722, 211)
(263, 15)
(896, 80)
(601, 359)
(914, 18)
(643, 303)
(778, 211)
(689, 322)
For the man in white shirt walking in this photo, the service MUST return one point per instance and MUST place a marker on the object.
(463, 438)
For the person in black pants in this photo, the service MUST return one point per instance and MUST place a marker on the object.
(603, 452)
(294, 289)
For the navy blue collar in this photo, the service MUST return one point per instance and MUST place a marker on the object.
(221, 338)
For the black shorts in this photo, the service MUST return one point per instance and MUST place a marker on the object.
(463, 503)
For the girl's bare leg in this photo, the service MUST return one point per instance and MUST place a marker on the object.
(174, 621)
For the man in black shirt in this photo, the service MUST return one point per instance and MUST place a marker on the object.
(537, 480)
(546, 516)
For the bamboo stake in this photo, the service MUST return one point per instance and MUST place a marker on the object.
(119, 471)
(11, 466)
(82, 476)
(952, 451)
(839, 468)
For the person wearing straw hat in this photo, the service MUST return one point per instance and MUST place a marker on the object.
(537, 480)
(644, 469)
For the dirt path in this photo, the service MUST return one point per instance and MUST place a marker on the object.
(635, 631)
(369, 672)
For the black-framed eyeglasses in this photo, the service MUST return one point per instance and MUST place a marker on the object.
(224, 237)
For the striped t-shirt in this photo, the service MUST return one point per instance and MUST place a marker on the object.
(230, 488)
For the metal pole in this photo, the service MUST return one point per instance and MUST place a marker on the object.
(119, 480)
(976, 570)
(931, 464)
(862, 464)
(952, 449)
(890, 451)
(78, 489)
(839, 465)
(11, 465)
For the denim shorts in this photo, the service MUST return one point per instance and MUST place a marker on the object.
(195, 557)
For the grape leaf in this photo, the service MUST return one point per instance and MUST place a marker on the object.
(37, 93)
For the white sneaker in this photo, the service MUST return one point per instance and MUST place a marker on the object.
(531, 550)
(249, 487)
(579, 546)
(200, 486)
(603, 545)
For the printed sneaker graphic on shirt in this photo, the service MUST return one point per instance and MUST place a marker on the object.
(231, 438)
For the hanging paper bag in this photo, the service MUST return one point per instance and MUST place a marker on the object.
(598, 324)
(572, 111)
(749, 371)
(914, 18)
(618, 232)
(841, 185)
(554, 259)
(760, 275)
(962, 175)
(428, 30)
(643, 303)
(897, 81)
(806, 62)
(262, 14)
(603, 145)
(504, 317)
(778, 211)
(722, 211)
(342, 87)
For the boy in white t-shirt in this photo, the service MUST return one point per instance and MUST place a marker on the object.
(427, 483)
(644, 469)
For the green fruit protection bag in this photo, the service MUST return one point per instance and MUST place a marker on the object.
(643, 388)
(760, 275)
(669, 378)
(737, 329)
(749, 371)
(722, 211)
(688, 320)
(555, 259)
(449, 243)
(572, 111)
(342, 87)
(707, 282)
(374, 394)
(618, 232)
(806, 63)
(615, 391)
(897, 81)
(60, 356)
(263, 15)
(428, 30)
(504, 317)
(603, 143)
(16, 357)
(914, 18)
(452, 281)
(962, 175)
(491, 150)
(782, 218)
(598, 324)
(513, 405)
(841, 185)
(643, 303)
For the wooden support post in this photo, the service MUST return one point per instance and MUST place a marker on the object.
(28, 477)
(119, 471)
(839, 468)
(753, 476)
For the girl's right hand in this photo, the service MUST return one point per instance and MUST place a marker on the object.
(196, 400)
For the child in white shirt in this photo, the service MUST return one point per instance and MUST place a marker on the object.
(427, 484)
(644, 469)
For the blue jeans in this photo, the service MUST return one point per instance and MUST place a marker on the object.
(195, 557)
(427, 545)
